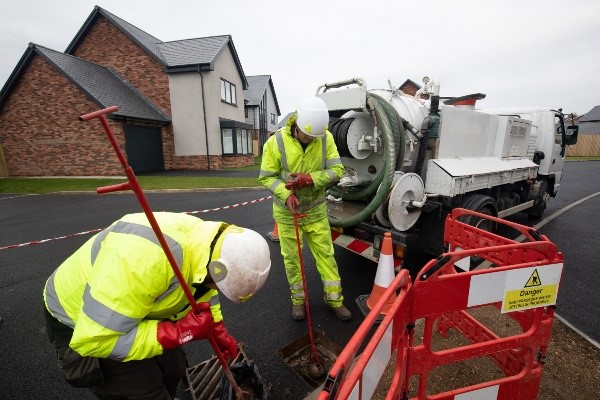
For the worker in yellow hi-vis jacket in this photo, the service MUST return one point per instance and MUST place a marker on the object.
(117, 316)
(299, 162)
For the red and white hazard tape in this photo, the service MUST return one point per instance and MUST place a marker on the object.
(245, 203)
(12, 246)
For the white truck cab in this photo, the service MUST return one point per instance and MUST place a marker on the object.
(551, 134)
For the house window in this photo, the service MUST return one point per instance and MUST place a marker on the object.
(273, 119)
(236, 141)
(227, 141)
(246, 112)
(228, 92)
(240, 143)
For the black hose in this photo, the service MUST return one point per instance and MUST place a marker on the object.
(339, 129)
(427, 122)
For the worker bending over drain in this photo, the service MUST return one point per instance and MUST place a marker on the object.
(117, 316)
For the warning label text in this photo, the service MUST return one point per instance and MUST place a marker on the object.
(529, 298)
(531, 287)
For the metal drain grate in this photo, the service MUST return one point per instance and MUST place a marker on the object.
(204, 379)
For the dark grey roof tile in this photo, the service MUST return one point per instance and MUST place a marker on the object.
(257, 85)
(192, 51)
(104, 85)
(589, 128)
(593, 115)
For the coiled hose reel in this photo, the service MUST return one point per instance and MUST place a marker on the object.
(391, 128)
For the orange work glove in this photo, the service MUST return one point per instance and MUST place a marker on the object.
(292, 202)
(191, 327)
(225, 341)
(298, 181)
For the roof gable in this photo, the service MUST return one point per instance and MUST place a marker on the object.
(176, 56)
(181, 53)
(257, 85)
(198, 54)
(592, 116)
(101, 84)
(256, 89)
(143, 39)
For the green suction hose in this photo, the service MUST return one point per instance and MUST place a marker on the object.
(392, 131)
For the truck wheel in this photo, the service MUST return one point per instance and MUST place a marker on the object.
(484, 205)
(541, 200)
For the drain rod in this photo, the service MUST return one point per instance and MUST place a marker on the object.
(133, 185)
(313, 349)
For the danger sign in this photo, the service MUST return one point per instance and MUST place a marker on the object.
(531, 287)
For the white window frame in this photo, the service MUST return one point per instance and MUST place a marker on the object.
(228, 92)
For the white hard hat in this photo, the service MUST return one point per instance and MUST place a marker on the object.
(240, 263)
(313, 116)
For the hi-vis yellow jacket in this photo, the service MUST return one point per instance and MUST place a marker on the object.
(115, 289)
(283, 155)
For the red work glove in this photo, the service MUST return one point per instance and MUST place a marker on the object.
(191, 327)
(225, 341)
(298, 181)
(292, 202)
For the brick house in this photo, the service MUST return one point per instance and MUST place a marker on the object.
(261, 108)
(181, 104)
(589, 123)
(409, 87)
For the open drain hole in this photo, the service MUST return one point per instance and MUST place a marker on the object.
(297, 355)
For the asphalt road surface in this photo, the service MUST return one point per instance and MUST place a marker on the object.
(27, 363)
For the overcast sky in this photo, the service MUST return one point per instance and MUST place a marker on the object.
(519, 53)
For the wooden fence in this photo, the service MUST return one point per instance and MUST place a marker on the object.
(587, 145)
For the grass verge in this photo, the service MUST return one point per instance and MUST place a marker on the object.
(50, 185)
(583, 158)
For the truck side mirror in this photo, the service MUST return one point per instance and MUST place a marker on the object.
(571, 134)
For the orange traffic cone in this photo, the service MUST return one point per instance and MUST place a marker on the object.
(274, 236)
(384, 276)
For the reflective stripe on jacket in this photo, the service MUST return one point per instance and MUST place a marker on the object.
(283, 155)
(115, 289)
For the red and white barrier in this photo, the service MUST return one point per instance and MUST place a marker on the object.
(523, 285)
(358, 381)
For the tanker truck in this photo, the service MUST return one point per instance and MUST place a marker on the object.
(411, 159)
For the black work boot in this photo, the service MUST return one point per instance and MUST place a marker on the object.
(298, 312)
(342, 313)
